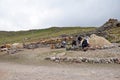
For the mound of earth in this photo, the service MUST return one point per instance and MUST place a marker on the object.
(99, 42)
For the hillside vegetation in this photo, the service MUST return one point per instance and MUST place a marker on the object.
(110, 30)
(35, 35)
(114, 34)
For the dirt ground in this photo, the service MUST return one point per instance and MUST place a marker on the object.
(12, 71)
(30, 65)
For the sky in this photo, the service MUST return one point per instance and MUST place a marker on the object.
(18, 15)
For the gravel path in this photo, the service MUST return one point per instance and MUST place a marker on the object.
(13, 71)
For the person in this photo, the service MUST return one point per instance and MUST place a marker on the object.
(63, 44)
(79, 39)
(74, 43)
(85, 44)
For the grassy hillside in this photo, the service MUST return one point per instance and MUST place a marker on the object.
(114, 34)
(32, 35)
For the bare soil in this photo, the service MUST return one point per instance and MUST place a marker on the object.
(30, 65)
(14, 71)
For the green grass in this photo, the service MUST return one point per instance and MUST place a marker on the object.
(36, 35)
(114, 34)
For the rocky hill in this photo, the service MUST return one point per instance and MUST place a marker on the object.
(110, 30)
(111, 23)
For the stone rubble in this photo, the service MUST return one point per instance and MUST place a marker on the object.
(84, 60)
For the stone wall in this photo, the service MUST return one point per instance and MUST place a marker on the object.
(83, 60)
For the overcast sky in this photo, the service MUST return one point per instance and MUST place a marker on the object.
(37, 14)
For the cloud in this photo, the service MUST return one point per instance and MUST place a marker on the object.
(37, 14)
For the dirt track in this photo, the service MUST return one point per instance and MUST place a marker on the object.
(13, 71)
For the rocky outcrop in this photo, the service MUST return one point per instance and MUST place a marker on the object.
(105, 30)
(111, 23)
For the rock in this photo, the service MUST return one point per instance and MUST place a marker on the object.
(119, 61)
(57, 61)
(111, 60)
(75, 60)
(61, 54)
(96, 60)
(52, 58)
(90, 60)
(47, 58)
(79, 59)
(70, 59)
(62, 58)
(84, 60)
(65, 59)
(115, 60)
